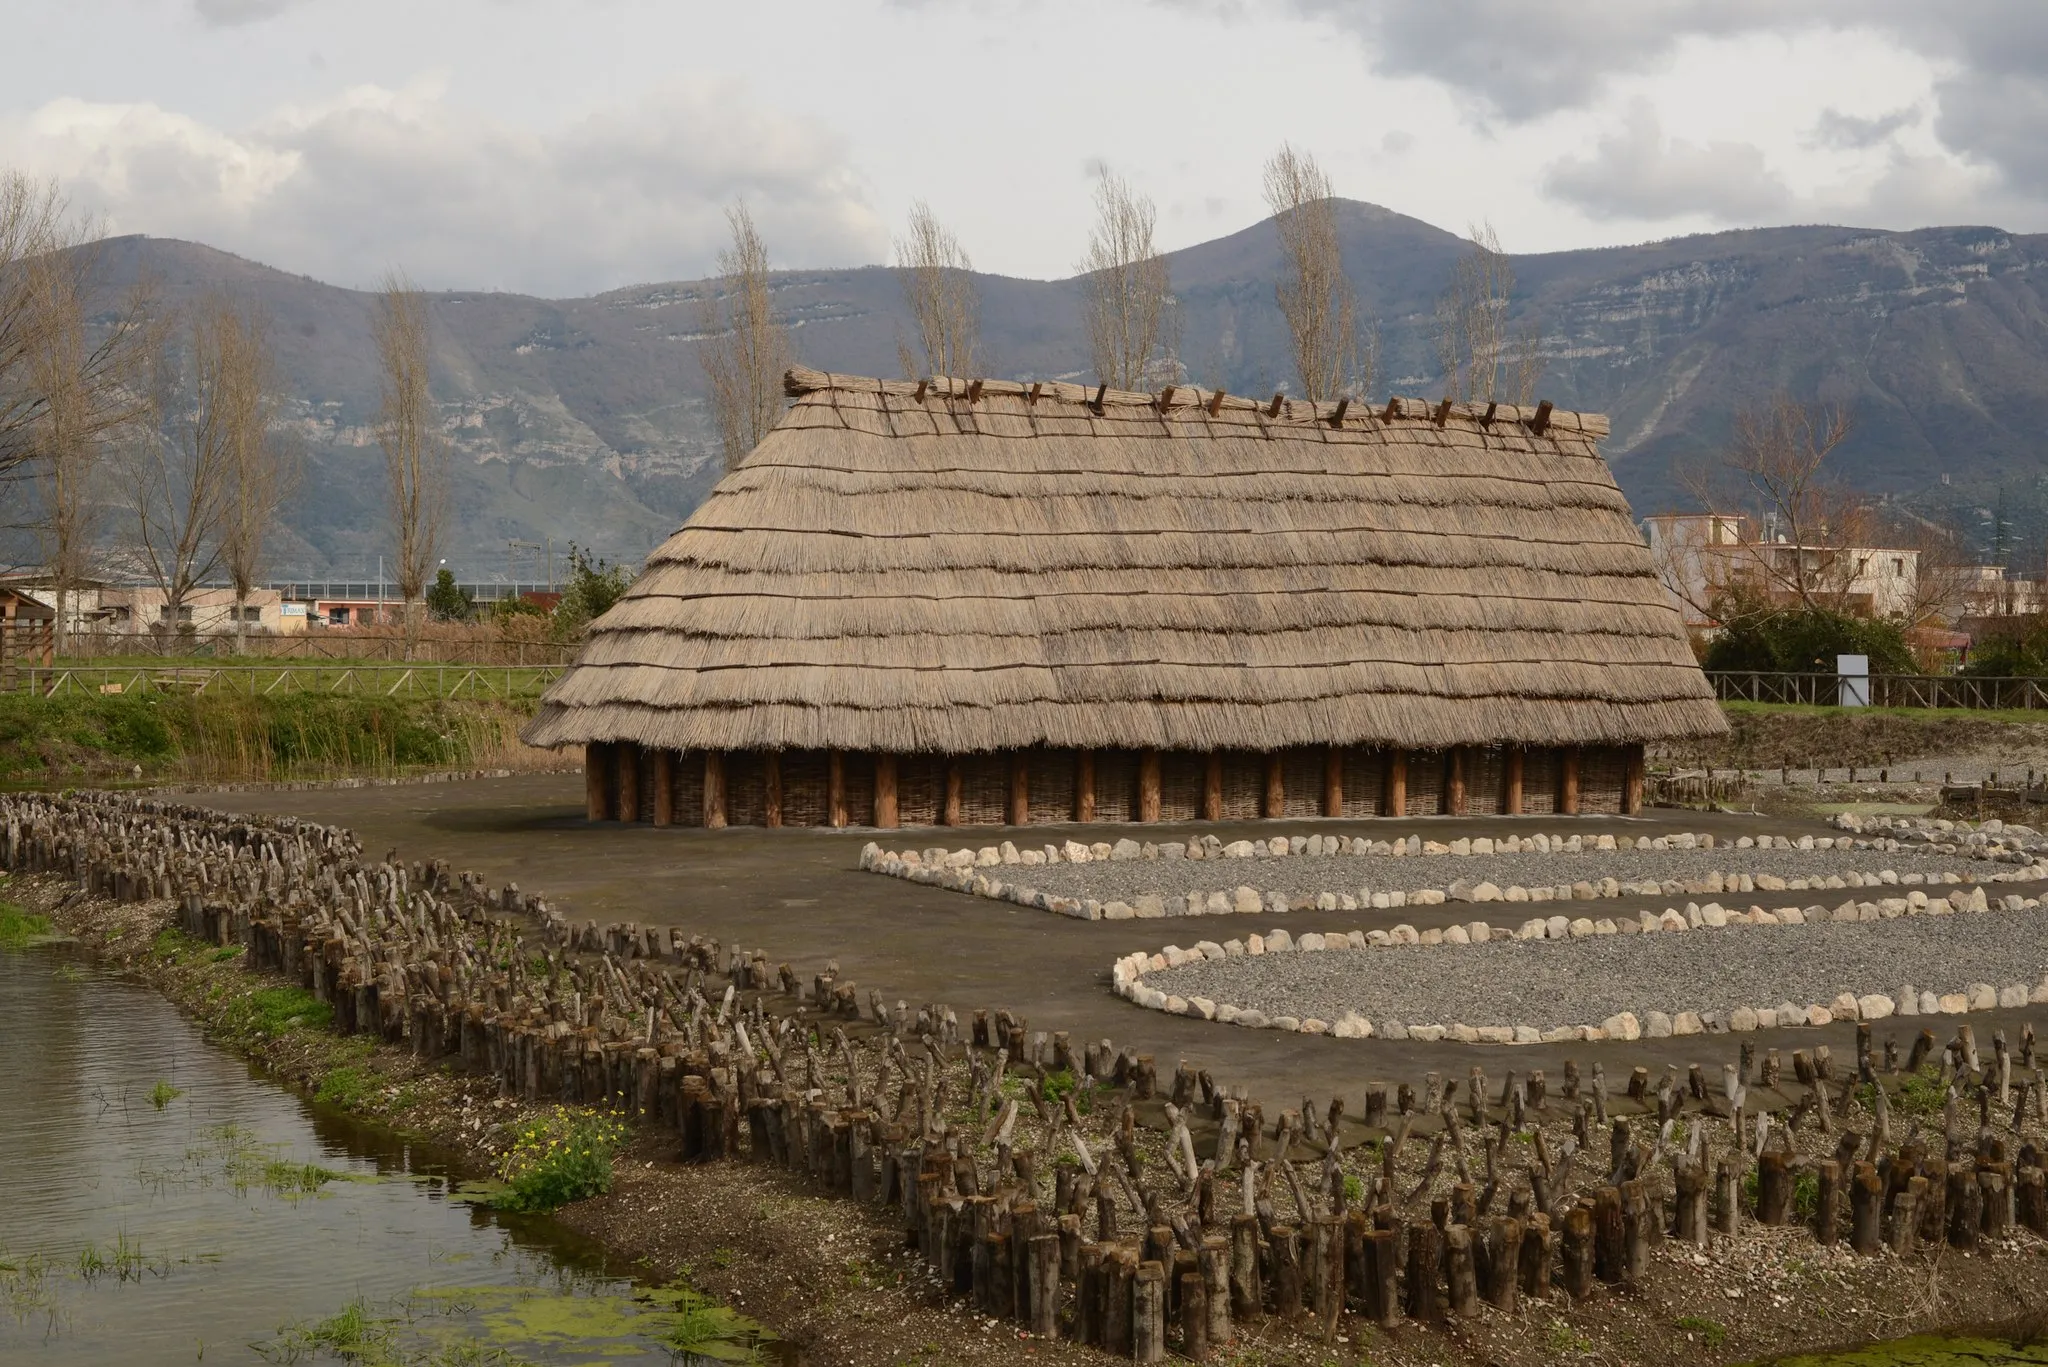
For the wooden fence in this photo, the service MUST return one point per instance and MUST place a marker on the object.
(388, 681)
(1886, 690)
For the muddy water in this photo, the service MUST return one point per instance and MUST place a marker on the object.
(144, 1229)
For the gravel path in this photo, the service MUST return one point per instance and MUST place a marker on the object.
(1301, 873)
(1548, 983)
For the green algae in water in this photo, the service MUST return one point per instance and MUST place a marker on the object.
(530, 1319)
(1927, 1350)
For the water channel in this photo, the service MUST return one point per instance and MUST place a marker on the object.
(161, 1203)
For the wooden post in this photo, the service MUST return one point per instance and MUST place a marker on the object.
(1425, 1256)
(1458, 1266)
(1568, 781)
(1454, 785)
(1276, 788)
(1212, 786)
(1382, 1299)
(1866, 1209)
(1148, 1313)
(1511, 800)
(1333, 781)
(771, 788)
(1827, 1214)
(1397, 783)
(1045, 1285)
(1247, 1292)
(949, 812)
(1215, 1264)
(835, 788)
(1084, 785)
(1148, 785)
(1286, 1247)
(1578, 1252)
(1020, 788)
(1194, 1317)
(664, 762)
(597, 789)
(1632, 786)
(886, 815)
(628, 753)
(714, 788)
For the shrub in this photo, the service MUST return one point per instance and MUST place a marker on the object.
(561, 1156)
(18, 927)
(1805, 641)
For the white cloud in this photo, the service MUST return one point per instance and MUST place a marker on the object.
(1639, 173)
(227, 13)
(379, 177)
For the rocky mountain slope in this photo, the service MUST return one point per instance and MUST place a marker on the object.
(584, 420)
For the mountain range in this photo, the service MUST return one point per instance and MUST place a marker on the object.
(584, 420)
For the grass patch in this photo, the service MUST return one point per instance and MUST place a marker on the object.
(1921, 1094)
(1710, 1333)
(163, 1094)
(271, 1011)
(348, 1087)
(19, 927)
(560, 1156)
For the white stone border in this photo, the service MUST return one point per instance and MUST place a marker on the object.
(971, 870)
(1127, 974)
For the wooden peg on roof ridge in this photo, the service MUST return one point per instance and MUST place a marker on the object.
(1166, 397)
(1215, 403)
(1443, 412)
(922, 385)
(1337, 418)
(1273, 408)
(1101, 393)
(1541, 422)
(1393, 410)
(973, 390)
(1036, 386)
(1490, 408)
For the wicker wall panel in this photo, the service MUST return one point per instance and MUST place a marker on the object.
(1180, 785)
(1244, 785)
(1486, 776)
(1365, 782)
(745, 791)
(984, 789)
(1425, 783)
(647, 760)
(857, 772)
(1301, 771)
(1052, 786)
(920, 789)
(689, 789)
(1541, 776)
(804, 778)
(1116, 785)
(1603, 772)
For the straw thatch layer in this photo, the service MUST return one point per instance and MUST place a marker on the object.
(954, 568)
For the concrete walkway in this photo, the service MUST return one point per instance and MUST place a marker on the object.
(797, 895)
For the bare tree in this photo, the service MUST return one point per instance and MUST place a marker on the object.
(32, 228)
(1480, 356)
(1804, 522)
(69, 390)
(1315, 295)
(939, 288)
(181, 470)
(746, 351)
(1127, 286)
(415, 457)
(262, 471)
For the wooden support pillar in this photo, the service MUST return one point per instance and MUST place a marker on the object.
(1148, 785)
(1333, 781)
(1454, 782)
(1397, 783)
(1020, 788)
(1568, 781)
(628, 762)
(1275, 804)
(597, 780)
(1084, 786)
(1212, 786)
(835, 788)
(771, 788)
(1632, 785)
(949, 808)
(886, 814)
(714, 788)
(1511, 799)
(664, 762)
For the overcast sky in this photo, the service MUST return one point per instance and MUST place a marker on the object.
(568, 146)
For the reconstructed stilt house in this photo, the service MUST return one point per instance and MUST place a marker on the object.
(975, 603)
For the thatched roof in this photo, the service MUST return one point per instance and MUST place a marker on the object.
(955, 566)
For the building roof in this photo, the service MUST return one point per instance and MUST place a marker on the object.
(953, 566)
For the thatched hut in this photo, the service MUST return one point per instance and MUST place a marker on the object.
(973, 603)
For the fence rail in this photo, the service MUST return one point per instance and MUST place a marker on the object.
(502, 682)
(1885, 690)
(437, 645)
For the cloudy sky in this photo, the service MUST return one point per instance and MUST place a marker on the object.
(568, 146)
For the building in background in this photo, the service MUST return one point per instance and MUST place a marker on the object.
(1706, 558)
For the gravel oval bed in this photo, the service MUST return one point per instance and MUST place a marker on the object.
(1124, 879)
(1547, 983)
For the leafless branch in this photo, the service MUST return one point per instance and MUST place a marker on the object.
(1315, 295)
(1126, 284)
(944, 304)
(746, 351)
(415, 457)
